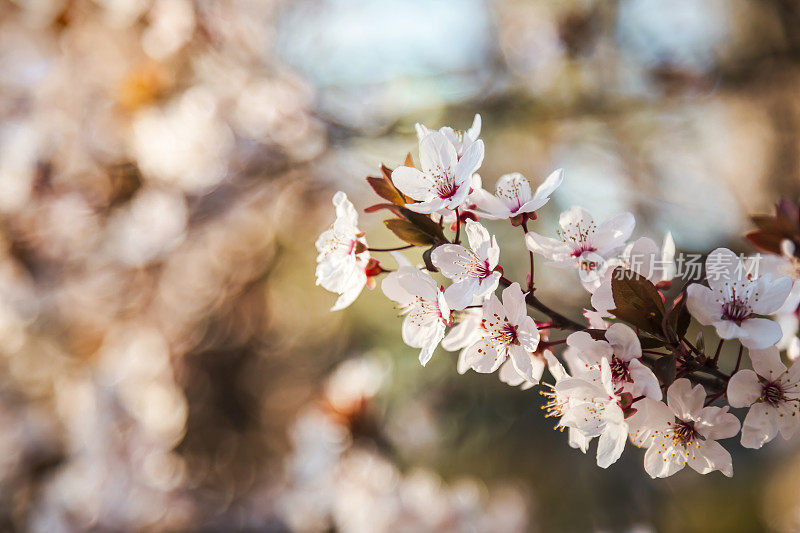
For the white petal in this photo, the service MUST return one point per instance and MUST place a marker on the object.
(575, 216)
(550, 184)
(508, 374)
(767, 363)
(514, 190)
(612, 234)
(611, 444)
(462, 334)
(483, 357)
(436, 153)
(716, 423)
(578, 440)
(662, 462)
(393, 290)
(528, 334)
(451, 260)
(412, 182)
(788, 419)
(603, 297)
(522, 362)
(684, 400)
(351, 293)
(475, 130)
(772, 295)
(550, 248)
(460, 294)
(479, 239)
(624, 341)
(490, 205)
(644, 381)
(428, 206)
(743, 388)
(702, 304)
(470, 162)
(760, 333)
(554, 366)
(760, 426)
(709, 456)
(723, 266)
(514, 303)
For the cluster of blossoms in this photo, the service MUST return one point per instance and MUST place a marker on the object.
(628, 373)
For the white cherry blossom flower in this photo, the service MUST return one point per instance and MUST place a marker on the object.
(683, 432)
(472, 270)
(735, 301)
(506, 332)
(644, 257)
(445, 179)
(513, 195)
(465, 332)
(461, 140)
(343, 259)
(423, 303)
(772, 392)
(785, 264)
(623, 351)
(592, 407)
(583, 245)
(558, 404)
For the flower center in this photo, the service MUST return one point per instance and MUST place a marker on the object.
(683, 433)
(446, 186)
(508, 334)
(735, 310)
(482, 270)
(620, 371)
(582, 248)
(772, 393)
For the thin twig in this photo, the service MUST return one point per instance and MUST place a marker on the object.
(530, 252)
(406, 247)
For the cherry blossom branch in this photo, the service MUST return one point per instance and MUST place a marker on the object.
(559, 320)
(397, 249)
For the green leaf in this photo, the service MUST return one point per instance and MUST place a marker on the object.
(638, 301)
(408, 232)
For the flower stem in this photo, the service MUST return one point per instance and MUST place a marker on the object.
(530, 253)
(738, 359)
(406, 247)
(716, 354)
(458, 229)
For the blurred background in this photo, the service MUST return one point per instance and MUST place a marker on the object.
(166, 362)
